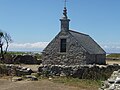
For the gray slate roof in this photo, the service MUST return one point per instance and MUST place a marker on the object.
(87, 42)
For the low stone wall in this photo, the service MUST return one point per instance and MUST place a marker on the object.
(12, 70)
(94, 72)
(21, 59)
(18, 70)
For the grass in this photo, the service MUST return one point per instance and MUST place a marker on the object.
(82, 83)
(117, 55)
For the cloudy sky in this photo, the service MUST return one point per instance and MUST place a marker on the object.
(32, 24)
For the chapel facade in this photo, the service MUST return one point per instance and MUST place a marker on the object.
(72, 48)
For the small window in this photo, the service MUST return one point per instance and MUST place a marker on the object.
(63, 45)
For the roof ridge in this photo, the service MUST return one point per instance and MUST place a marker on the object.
(78, 32)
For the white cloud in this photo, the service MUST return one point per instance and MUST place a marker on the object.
(111, 47)
(28, 46)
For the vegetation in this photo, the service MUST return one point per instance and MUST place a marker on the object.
(82, 83)
(3, 70)
(38, 56)
(18, 53)
(5, 39)
(117, 55)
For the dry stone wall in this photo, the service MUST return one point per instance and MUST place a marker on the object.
(95, 72)
(14, 70)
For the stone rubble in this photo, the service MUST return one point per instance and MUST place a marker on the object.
(112, 83)
(18, 70)
(19, 73)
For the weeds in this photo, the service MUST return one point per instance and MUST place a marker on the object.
(82, 83)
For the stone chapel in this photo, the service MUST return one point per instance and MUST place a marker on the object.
(72, 48)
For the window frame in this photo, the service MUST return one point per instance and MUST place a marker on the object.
(63, 45)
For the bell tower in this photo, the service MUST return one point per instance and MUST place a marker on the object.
(65, 21)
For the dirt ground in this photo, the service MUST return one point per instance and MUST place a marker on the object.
(34, 85)
(6, 84)
(112, 62)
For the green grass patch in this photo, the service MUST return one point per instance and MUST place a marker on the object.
(114, 55)
(81, 83)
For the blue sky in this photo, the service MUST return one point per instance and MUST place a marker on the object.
(32, 24)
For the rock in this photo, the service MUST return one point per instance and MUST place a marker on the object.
(50, 78)
(17, 79)
(62, 74)
(113, 83)
(32, 78)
